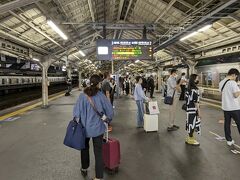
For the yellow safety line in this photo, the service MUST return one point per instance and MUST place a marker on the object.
(22, 110)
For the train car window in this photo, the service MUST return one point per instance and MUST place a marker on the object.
(209, 79)
(8, 46)
(204, 79)
(23, 80)
(3, 81)
(222, 76)
(10, 81)
(17, 81)
(3, 45)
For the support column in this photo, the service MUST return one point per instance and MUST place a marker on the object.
(45, 63)
(159, 76)
(44, 86)
(191, 64)
(79, 79)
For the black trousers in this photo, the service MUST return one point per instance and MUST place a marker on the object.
(182, 95)
(151, 91)
(85, 160)
(228, 116)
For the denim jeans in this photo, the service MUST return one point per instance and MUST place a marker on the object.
(140, 113)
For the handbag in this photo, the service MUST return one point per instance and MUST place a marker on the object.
(169, 99)
(76, 135)
(184, 107)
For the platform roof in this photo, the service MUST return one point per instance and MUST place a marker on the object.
(25, 22)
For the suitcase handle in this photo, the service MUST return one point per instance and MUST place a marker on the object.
(106, 132)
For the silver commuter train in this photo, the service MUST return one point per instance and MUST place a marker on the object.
(210, 76)
(27, 80)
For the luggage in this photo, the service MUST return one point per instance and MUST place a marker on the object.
(111, 154)
(150, 122)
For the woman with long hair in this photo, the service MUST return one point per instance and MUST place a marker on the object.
(93, 123)
(193, 122)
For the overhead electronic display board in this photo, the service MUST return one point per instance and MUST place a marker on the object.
(124, 49)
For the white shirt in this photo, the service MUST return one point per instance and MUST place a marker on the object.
(229, 102)
(185, 80)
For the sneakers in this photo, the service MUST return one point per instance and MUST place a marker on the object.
(230, 143)
(192, 141)
(173, 128)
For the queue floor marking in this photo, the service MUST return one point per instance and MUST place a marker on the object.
(23, 110)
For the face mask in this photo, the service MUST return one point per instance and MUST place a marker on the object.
(236, 79)
(196, 82)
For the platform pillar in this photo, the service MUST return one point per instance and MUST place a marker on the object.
(191, 64)
(159, 79)
(44, 86)
(45, 64)
(79, 80)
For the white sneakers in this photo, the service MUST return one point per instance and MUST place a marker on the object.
(230, 143)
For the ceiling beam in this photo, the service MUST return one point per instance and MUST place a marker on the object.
(125, 17)
(36, 29)
(118, 16)
(183, 2)
(91, 10)
(165, 10)
(15, 4)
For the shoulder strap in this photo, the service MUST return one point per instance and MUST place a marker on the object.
(93, 106)
(173, 93)
(224, 84)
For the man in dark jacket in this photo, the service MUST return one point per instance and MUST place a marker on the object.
(144, 84)
(151, 86)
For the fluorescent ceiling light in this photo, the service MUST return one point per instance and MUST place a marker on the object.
(82, 53)
(205, 28)
(56, 29)
(188, 36)
(35, 59)
(137, 61)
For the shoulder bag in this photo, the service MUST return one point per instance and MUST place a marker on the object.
(76, 135)
(169, 99)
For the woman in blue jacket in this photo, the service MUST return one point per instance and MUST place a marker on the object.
(139, 97)
(93, 123)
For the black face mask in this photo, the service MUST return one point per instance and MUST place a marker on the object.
(196, 82)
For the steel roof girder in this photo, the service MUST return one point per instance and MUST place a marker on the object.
(15, 4)
(201, 20)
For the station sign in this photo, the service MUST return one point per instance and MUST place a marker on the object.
(124, 49)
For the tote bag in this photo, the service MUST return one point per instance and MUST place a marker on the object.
(153, 107)
(75, 136)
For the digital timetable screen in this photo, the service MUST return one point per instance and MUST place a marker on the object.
(124, 49)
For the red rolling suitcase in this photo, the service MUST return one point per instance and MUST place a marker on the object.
(111, 154)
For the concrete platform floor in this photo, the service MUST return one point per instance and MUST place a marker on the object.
(31, 147)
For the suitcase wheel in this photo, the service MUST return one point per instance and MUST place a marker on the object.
(112, 171)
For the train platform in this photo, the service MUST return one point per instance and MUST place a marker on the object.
(32, 146)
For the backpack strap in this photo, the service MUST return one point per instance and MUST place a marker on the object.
(224, 84)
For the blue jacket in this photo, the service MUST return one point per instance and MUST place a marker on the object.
(91, 121)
